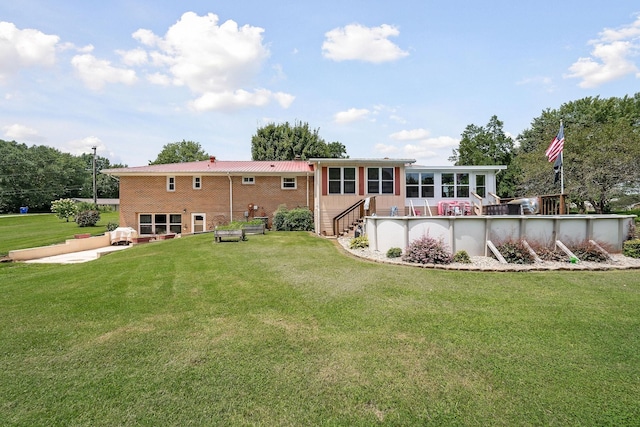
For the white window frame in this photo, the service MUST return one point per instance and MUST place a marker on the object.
(169, 226)
(197, 183)
(171, 183)
(283, 183)
(456, 185)
(248, 180)
(381, 181)
(342, 180)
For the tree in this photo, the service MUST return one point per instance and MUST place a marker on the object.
(64, 208)
(487, 145)
(286, 142)
(180, 152)
(106, 186)
(600, 155)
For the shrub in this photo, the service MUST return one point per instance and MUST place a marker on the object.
(585, 251)
(549, 254)
(515, 252)
(359, 242)
(427, 250)
(86, 206)
(394, 253)
(64, 208)
(88, 218)
(462, 257)
(631, 248)
(298, 219)
(112, 226)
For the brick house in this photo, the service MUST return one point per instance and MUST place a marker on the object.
(197, 196)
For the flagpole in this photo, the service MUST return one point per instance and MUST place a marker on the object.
(561, 173)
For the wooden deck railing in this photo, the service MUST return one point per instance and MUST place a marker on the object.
(347, 219)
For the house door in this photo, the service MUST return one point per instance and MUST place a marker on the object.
(198, 222)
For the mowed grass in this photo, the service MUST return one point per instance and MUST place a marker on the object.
(32, 230)
(286, 329)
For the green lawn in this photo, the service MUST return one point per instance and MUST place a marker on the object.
(31, 230)
(285, 329)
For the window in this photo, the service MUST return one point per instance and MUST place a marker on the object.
(171, 183)
(249, 180)
(197, 183)
(160, 223)
(380, 180)
(455, 185)
(420, 184)
(481, 186)
(427, 184)
(288, 183)
(342, 180)
(413, 184)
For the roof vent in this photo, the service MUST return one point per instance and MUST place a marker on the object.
(213, 159)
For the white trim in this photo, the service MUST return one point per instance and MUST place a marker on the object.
(295, 183)
(248, 180)
(193, 222)
(171, 182)
(197, 179)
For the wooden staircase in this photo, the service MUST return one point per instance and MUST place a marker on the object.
(347, 221)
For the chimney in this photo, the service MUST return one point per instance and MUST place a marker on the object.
(212, 159)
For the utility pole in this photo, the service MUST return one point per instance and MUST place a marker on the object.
(95, 189)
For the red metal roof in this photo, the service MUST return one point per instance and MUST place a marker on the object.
(217, 167)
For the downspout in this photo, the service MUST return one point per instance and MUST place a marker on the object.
(230, 197)
(316, 196)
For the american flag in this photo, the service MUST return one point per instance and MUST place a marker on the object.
(556, 146)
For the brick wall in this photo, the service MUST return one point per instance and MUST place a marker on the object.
(148, 194)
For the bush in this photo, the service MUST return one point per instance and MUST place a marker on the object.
(631, 248)
(515, 252)
(112, 226)
(427, 250)
(585, 251)
(462, 257)
(298, 219)
(359, 242)
(394, 253)
(86, 206)
(549, 254)
(64, 208)
(88, 218)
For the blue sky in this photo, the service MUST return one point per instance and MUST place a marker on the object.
(395, 79)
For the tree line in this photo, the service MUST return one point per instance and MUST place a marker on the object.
(34, 176)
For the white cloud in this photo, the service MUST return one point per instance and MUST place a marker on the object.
(357, 42)
(134, 57)
(351, 115)
(159, 79)
(410, 135)
(217, 62)
(240, 98)
(611, 57)
(24, 48)
(18, 132)
(96, 73)
(417, 145)
(85, 145)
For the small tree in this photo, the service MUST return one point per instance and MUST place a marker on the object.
(64, 208)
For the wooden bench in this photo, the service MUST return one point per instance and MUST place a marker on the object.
(253, 229)
(220, 235)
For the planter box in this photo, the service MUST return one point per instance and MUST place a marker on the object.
(165, 236)
(254, 229)
(237, 235)
(145, 239)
